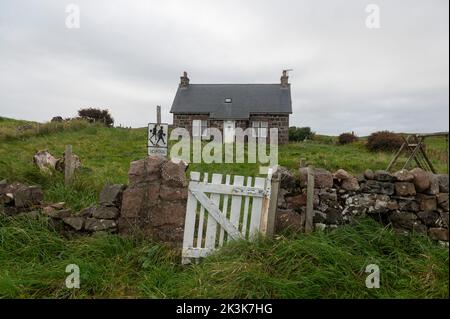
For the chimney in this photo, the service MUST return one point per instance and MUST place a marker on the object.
(184, 80)
(284, 79)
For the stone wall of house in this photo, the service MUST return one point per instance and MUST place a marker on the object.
(280, 121)
(408, 200)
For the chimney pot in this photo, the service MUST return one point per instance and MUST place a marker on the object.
(284, 79)
(184, 80)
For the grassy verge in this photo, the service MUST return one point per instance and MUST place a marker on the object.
(33, 259)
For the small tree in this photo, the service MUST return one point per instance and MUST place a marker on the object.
(384, 141)
(297, 134)
(96, 115)
(347, 138)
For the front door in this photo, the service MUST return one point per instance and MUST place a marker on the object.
(228, 131)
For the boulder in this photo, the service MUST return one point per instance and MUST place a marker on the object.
(173, 193)
(87, 212)
(429, 218)
(404, 220)
(376, 187)
(145, 170)
(281, 202)
(342, 175)
(44, 160)
(75, 222)
(106, 212)
(288, 220)
(111, 195)
(405, 189)
(173, 174)
(328, 195)
(296, 201)
(408, 204)
(421, 179)
(383, 176)
(60, 163)
(350, 184)
(443, 183)
(27, 196)
(427, 202)
(434, 184)
(442, 201)
(333, 216)
(94, 224)
(404, 176)
(368, 174)
(322, 178)
(438, 234)
(287, 179)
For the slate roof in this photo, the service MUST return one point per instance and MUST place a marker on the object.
(246, 99)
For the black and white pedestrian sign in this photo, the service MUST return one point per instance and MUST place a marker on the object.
(157, 139)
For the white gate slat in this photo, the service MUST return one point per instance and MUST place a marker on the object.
(246, 209)
(211, 226)
(201, 218)
(189, 224)
(236, 202)
(224, 211)
(230, 189)
(256, 209)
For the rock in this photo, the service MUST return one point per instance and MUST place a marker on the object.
(360, 178)
(420, 229)
(296, 201)
(380, 206)
(342, 175)
(320, 226)
(333, 216)
(60, 165)
(429, 218)
(404, 176)
(134, 201)
(442, 201)
(111, 195)
(57, 214)
(434, 185)
(443, 183)
(28, 196)
(405, 189)
(287, 180)
(383, 176)
(427, 202)
(94, 224)
(288, 220)
(87, 212)
(59, 205)
(319, 217)
(393, 205)
(377, 187)
(421, 179)
(328, 195)
(44, 160)
(408, 205)
(6, 199)
(106, 212)
(350, 184)
(404, 220)
(173, 174)
(438, 234)
(75, 222)
(3, 186)
(322, 178)
(31, 215)
(281, 198)
(173, 193)
(368, 174)
(145, 170)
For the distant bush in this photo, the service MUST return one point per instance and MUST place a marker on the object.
(384, 141)
(347, 138)
(96, 115)
(297, 134)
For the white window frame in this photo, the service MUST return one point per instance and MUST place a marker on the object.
(196, 128)
(204, 129)
(255, 129)
(259, 129)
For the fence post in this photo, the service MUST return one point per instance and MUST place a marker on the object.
(309, 200)
(273, 205)
(68, 169)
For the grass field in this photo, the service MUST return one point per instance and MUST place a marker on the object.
(33, 257)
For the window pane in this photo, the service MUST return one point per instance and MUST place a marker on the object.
(196, 127)
(263, 132)
(264, 124)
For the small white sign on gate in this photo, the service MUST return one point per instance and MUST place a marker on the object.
(157, 139)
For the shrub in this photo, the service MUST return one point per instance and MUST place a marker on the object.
(297, 134)
(384, 141)
(347, 138)
(96, 115)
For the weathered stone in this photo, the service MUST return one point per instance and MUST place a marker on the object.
(31, 215)
(342, 175)
(322, 178)
(377, 187)
(393, 205)
(106, 212)
(319, 217)
(44, 160)
(429, 218)
(3, 186)
(288, 220)
(60, 163)
(404, 176)
(145, 170)
(87, 212)
(334, 216)
(133, 201)
(408, 205)
(55, 213)
(419, 229)
(75, 222)
(6, 199)
(328, 195)
(421, 179)
(383, 176)
(168, 213)
(405, 189)
(320, 226)
(427, 202)
(438, 234)
(59, 205)
(443, 183)
(368, 174)
(94, 224)
(434, 185)
(442, 201)
(28, 196)
(360, 178)
(173, 174)
(111, 195)
(296, 201)
(405, 220)
(380, 206)
(173, 193)
(281, 198)
(287, 179)
(350, 184)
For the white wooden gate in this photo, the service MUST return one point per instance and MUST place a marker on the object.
(222, 210)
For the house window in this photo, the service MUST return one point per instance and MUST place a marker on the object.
(228, 100)
(259, 129)
(200, 128)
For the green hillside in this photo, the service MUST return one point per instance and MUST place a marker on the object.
(33, 258)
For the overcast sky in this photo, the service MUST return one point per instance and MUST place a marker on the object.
(127, 56)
